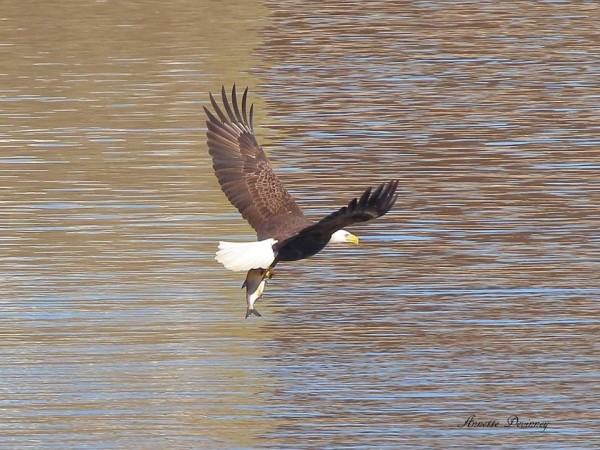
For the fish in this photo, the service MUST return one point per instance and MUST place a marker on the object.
(255, 284)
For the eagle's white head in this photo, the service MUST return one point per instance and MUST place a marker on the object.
(342, 237)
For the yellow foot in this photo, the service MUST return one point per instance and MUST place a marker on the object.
(270, 274)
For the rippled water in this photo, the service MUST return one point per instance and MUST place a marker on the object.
(476, 296)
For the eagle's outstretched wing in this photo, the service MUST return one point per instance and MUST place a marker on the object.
(370, 205)
(244, 172)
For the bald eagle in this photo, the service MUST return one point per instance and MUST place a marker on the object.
(284, 232)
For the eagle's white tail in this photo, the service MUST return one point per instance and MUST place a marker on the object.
(243, 256)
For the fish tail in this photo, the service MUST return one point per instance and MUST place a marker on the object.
(250, 311)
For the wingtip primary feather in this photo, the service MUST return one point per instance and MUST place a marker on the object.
(226, 104)
(376, 195)
(234, 103)
(217, 109)
(389, 195)
(211, 117)
(365, 196)
(244, 100)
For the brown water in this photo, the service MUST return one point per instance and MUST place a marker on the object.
(477, 295)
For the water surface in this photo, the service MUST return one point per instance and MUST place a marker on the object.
(477, 295)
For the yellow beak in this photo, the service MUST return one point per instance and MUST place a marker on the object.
(352, 239)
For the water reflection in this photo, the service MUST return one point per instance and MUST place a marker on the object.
(476, 296)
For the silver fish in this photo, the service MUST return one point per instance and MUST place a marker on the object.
(255, 283)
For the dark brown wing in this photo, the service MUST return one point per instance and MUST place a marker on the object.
(370, 205)
(244, 172)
